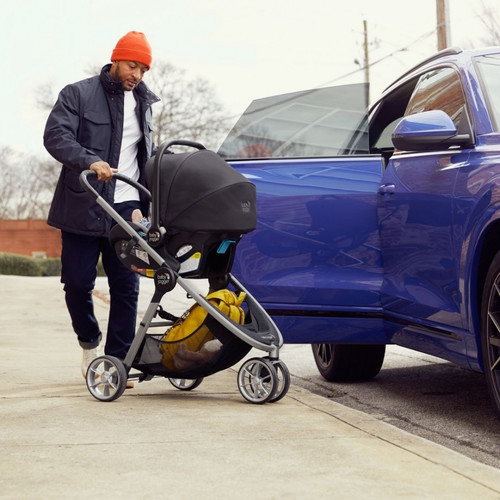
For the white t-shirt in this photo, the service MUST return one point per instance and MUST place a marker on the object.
(127, 164)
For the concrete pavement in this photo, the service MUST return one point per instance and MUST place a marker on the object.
(57, 441)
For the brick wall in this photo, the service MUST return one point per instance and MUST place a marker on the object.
(29, 237)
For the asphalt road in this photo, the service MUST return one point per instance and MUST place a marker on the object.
(421, 394)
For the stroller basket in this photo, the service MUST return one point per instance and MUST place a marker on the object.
(196, 344)
(149, 358)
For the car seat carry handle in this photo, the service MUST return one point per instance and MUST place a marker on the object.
(183, 142)
(155, 230)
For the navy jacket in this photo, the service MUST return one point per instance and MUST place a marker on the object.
(85, 126)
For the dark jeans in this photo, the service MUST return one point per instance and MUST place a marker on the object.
(80, 255)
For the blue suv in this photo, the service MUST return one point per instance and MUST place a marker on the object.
(380, 227)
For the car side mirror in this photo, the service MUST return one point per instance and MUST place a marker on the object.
(430, 130)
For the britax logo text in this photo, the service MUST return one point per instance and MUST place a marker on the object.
(246, 206)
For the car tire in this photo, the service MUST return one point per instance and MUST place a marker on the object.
(490, 331)
(348, 363)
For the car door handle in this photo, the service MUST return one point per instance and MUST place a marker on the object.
(387, 189)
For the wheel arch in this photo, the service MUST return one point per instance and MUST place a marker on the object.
(489, 246)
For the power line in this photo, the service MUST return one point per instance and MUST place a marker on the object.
(361, 68)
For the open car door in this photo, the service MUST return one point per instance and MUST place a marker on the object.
(314, 260)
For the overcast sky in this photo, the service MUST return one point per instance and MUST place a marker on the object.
(246, 49)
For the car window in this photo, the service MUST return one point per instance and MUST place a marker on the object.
(489, 70)
(329, 121)
(439, 89)
(386, 114)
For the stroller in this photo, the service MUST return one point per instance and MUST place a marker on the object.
(200, 209)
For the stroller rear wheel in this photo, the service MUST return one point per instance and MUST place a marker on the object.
(185, 384)
(257, 380)
(106, 378)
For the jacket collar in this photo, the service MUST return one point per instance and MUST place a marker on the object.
(110, 86)
(113, 87)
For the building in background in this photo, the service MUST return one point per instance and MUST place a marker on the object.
(30, 237)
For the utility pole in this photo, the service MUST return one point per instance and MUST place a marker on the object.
(367, 63)
(443, 39)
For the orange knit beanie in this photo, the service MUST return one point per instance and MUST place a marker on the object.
(133, 46)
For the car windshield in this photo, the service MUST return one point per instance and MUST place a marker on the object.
(489, 69)
(329, 121)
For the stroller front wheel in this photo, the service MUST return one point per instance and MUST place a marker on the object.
(257, 380)
(106, 378)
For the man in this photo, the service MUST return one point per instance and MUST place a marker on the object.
(102, 123)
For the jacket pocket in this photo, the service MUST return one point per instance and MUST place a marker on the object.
(95, 131)
(71, 181)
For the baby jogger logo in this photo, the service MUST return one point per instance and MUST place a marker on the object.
(164, 279)
(155, 237)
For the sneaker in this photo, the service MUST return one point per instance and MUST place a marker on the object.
(138, 218)
(136, 215)
(88, 356)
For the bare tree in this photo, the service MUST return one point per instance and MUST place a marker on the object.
(42, 181)
(490, 18)
(188, 109)
(8, 182)
(45, 97)
(26, 185)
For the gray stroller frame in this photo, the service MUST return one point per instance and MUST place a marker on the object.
(260, 380)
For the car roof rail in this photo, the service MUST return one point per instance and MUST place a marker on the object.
(449, 51)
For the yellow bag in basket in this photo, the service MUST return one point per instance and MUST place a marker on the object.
(191, 330)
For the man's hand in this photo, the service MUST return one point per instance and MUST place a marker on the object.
(103, 170)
